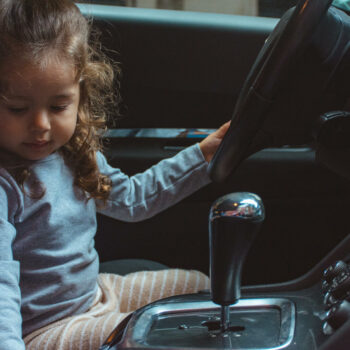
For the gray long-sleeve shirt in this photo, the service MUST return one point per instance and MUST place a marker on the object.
(48, 263)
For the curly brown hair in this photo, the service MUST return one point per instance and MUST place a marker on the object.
(36, 28)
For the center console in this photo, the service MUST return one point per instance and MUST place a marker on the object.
(309, 313)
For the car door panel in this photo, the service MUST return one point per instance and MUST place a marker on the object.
(174, 62)
(185, 70)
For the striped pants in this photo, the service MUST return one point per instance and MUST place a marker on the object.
(117, 296)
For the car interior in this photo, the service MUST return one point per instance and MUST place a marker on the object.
(272, 227)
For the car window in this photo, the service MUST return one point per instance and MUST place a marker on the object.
(263, 8)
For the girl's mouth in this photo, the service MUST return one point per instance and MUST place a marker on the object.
(37, 145)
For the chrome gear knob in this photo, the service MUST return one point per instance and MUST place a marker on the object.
(234, 221)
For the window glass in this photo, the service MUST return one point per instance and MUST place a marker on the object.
(264, 8)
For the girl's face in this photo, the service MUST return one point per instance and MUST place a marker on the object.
(39, 106)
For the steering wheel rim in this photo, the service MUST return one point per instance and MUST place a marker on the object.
(271, 67)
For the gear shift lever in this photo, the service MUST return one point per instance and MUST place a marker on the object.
(234, 221)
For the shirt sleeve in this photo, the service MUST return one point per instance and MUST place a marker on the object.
(146, 194)
(10, 296)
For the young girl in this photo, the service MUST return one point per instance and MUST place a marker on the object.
(53, 91)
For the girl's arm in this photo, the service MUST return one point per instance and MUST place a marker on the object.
(143, 195)
(10, 296)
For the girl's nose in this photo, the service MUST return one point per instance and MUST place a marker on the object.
(40, 121)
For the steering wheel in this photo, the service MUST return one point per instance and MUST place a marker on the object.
(269, 71)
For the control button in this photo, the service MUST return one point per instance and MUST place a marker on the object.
(327, 329)
(338, 314)
(334, 270)
(325, 287)
(329, 300)
(340, 288)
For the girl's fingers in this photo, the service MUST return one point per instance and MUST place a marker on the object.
(223, 129)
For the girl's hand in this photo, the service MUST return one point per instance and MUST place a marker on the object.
(210, 144)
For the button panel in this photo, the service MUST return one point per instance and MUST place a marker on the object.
(336, 289)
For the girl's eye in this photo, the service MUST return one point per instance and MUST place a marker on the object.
(17, 110)
(59, 108)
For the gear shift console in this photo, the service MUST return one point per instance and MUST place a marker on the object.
(234, 221)
(202, 321)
